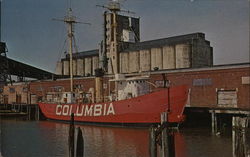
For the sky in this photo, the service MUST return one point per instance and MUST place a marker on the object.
(34, 38)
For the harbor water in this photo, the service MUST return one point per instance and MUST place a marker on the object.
(50, 139)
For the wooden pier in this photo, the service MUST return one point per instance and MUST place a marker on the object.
(233, 112)
(29, 111)
(161, 139)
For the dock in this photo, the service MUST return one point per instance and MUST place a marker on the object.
(29, 111)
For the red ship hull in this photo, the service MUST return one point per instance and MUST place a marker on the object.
(143, 109)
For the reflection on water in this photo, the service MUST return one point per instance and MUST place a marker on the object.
(44, 138)
(200, 142)
(115, 142)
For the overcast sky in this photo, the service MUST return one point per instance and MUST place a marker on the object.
(33, 38)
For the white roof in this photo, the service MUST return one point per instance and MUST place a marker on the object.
(136, 78)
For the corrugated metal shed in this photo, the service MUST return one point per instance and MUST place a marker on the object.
(25, 70)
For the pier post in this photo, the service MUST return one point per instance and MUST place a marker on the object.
(37, 113)
(38, 110)
(71, 136)
(164, 136)
(152, 143)
(29, 112)
(19, 107)
(239, 125)
(214, 122)
(171, 143)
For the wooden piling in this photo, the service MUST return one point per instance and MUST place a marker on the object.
(37, 113)
(214, 122)
(164, 136)
(239, 136)
(29, 112)
(71, 136)
(152, 143)
(171, 143)
(21, 108)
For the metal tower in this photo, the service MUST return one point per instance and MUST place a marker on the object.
(4, 75)
(112, 43)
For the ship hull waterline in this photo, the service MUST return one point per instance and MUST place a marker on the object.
(144, 109)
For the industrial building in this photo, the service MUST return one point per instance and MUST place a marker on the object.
(125, 53)
(224, 86)
(185, 51)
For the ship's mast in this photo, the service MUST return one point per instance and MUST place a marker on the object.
(70, 20)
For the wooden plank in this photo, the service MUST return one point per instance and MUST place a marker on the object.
(152, 144)
(227, 98)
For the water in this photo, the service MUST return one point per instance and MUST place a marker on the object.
(49, 139)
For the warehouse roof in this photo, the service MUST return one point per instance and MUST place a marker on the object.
(165, 41)
(84, 54)
(25, 70)
(148, 44)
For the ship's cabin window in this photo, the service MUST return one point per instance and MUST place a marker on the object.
(129, 95)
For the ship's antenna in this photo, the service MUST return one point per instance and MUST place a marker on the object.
(70, 20)
(70, 4)
(115, 6)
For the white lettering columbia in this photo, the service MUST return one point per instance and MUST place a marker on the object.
(86, 110)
